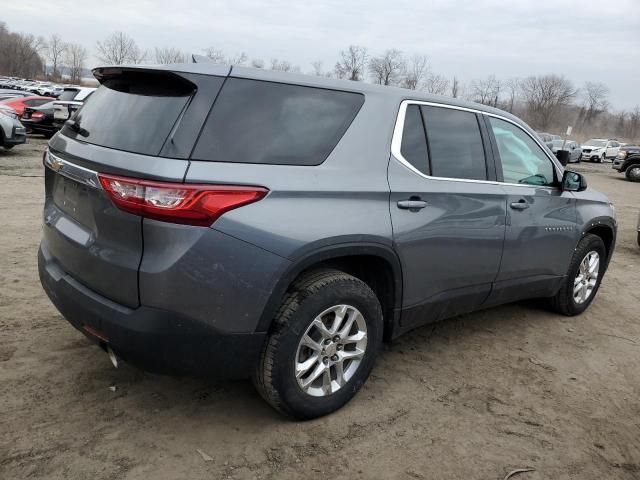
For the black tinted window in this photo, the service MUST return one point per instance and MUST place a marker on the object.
(414, 142)
(265, 122)
(133, 112)
(455, 144)
(68, 95)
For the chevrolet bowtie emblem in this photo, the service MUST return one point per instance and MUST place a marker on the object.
(55, 163)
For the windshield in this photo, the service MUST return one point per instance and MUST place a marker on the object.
(558, 143)
(596, 143)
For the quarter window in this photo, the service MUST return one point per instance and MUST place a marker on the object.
(275, 123)
(523, 161)
(414, 142)
(455, 143)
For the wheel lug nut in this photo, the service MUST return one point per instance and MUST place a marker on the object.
(327, 341)
(325, 360)
(339, 347)
(334, 358)
(336, 338)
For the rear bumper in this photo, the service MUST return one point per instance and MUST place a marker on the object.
(153, 339)
(18, 136)
(37, 127)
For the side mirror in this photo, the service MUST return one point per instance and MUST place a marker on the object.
(563, 157)
(573, 181)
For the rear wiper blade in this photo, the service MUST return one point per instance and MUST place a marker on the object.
(75, 126)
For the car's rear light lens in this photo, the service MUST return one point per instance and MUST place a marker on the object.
(178, 202)
(37, 115)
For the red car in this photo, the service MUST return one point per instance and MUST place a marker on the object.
(19, 104)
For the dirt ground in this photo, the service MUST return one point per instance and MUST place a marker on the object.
(470, 398)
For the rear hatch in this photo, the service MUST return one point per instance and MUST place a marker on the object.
(120, 130)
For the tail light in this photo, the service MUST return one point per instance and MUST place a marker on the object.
(178, 202)
(37, 115)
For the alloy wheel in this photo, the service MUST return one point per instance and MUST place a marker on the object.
(587, 277)
(634, 174)
(331, 350)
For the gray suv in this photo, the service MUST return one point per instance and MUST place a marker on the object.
(241, 222)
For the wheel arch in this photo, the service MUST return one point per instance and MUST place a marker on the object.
(605, 228)
(633, 160)
(375, 264)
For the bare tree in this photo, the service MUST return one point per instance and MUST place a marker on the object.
(388, 68)
(76, 56)
(55, 51)
(283, 66)
(118, 49)
(216, 55)
(633, 125)
(416, 71)
(455, 87)
(486, 91)
(257, 63)
(239, 59)
(20, 53)
(512, 86)
(317, 68)
(166, 55)
(545, 96)
(352, 63)
(595, 99)
(436, 84)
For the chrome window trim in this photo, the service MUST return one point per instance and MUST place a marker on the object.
(72, 171)
(396, 143)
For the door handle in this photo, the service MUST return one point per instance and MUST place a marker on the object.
(520, 205)
(413, 204)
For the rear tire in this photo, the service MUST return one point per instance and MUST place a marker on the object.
(575, 283)
(8, 147)
(633, 173)
(285, 352)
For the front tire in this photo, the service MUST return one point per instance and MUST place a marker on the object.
(602, 159)
(322, 346)
(583, 278)
(633, 173)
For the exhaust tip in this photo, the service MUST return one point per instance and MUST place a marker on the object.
(112, 357)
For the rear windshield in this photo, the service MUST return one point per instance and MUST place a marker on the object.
(273, 123)
(68, 95)
(134, 111)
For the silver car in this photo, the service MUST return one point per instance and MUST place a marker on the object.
(574, 149)
(12, 132)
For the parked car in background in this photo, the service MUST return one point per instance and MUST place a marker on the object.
(546, 138)
(600, 149)
(12, 132)
(40, 119)
(20, 103)
(628, 162)
(236, 221)
(6, 93)
(69, 102)
(52, 91)
(575, 151)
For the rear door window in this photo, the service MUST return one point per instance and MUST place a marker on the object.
(273, 123)
(455, 143)
(134, 111)
(414, 141)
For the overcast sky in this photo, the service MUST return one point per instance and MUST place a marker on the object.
(581, 39)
